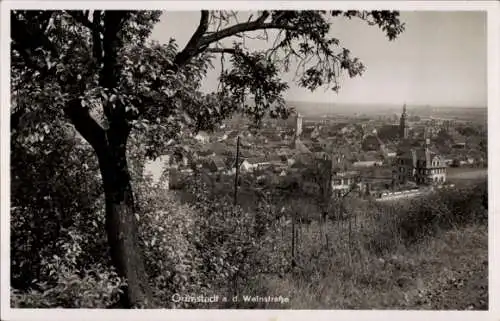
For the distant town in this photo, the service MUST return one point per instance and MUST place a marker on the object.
(380, 155)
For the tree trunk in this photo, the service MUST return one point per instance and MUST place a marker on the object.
(121, 225)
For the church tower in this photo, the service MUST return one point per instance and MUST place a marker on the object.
(403, 125)
(298, 129)
(298, 125)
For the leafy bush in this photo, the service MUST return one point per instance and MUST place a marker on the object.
(98, 287)
(73, 273)
(230, 241)
(54, 200)
(410, 222)
(168, 233)
(58, 243)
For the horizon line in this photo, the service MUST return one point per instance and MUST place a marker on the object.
(382, 103)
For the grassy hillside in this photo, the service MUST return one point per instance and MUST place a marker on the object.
(427, 254)
(447, 271)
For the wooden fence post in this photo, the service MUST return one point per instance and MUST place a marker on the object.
(293, 239)
(237, 167)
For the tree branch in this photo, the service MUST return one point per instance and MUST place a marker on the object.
(81, 17)
(243, 27)
(85, 124)
(111, 43)
(192, 46)
(231, 51)
(222, 50)
(200, 40)
(96, 37)
(263, 17)
(25, 40)
(95, 28)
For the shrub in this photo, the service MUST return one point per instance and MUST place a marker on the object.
(74, 273)
(58, 241)
(230, 242)
(410, 222)
(54, 199)
(97, 287)
(168, 234)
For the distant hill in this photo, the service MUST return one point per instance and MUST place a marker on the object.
(319, 109)
(316, 108)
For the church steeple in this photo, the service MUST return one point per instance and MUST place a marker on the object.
(403, 126)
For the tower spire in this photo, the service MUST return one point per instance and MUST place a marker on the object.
(403, 126)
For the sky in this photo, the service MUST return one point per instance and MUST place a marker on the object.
(439, 60)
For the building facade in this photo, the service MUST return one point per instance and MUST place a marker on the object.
(421, 166)
(342, 178)
(343, 182)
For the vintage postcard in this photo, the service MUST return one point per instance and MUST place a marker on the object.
(249, 160)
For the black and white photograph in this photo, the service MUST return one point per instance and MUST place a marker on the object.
(276, 158)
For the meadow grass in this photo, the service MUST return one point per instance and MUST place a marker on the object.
(426, 254)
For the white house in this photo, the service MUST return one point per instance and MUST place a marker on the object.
(202, 137)
(222, 138)
(245, 166)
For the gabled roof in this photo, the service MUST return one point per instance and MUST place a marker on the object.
(213, 163)
(216, 147)
(232, 134)
(205, 152)
(302, 158)
(219, 162)
(256, 159)
(316, 148)
(405, 146)
(372, 156)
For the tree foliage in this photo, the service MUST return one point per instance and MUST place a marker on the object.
(157, 86)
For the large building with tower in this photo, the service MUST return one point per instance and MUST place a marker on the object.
(416, 162)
